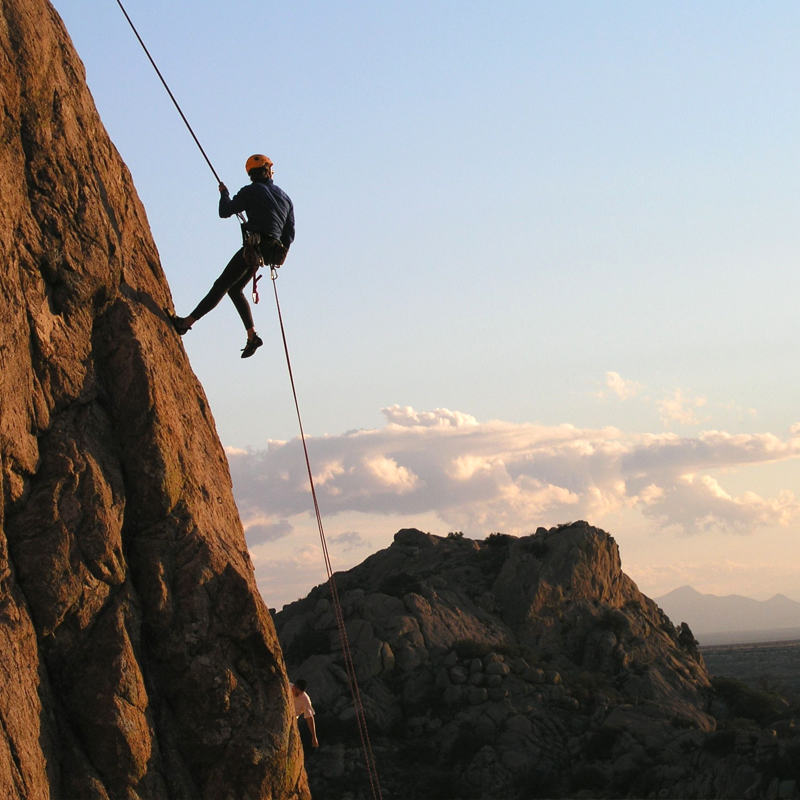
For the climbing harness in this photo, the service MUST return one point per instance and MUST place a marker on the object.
(251, 243)
(254, 245)
(253, 251)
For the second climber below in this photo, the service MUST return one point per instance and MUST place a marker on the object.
(270, 214)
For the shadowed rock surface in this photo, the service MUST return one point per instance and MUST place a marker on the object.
(522, 668)
(137, 659)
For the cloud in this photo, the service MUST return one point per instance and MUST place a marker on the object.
(479, 476)
(438, 418)
(388, 473)
(679, 408)
(624, 389)
(697, 504)
(349, 540)
(261, 532)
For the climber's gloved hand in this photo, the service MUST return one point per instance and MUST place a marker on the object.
(223, 189)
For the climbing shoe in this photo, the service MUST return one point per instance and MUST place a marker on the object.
(180, 324)
(251, 346)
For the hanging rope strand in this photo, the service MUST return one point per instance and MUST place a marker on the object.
(172, 97)
(361, 719)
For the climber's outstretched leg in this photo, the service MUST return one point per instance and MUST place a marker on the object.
(231, 282)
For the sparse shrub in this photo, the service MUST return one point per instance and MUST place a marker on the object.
(585, 685)
(513, 651)
(455, 535)
(537, 548)
(472, 648)
(494, 553)
(499, 539)
(743, 701)
(766, 683)
(739, 724)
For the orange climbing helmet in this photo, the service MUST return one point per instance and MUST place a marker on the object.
(256, 161)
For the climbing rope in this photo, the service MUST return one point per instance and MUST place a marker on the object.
(169, 92)
(361, 718)
(172, 97)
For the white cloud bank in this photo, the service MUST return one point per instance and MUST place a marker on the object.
(503, 476)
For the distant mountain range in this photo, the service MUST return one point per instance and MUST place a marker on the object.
(732, 618)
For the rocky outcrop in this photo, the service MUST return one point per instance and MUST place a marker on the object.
(518, 668)
(137, 659)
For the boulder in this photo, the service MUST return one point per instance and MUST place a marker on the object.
(574, 684)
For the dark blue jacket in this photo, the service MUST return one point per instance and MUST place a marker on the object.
(269, 210)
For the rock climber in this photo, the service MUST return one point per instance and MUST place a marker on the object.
(303, 707)
(270, 215)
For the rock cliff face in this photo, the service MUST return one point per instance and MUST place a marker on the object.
(137, 659)
(518, 668)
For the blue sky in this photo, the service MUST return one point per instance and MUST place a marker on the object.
(533, 214)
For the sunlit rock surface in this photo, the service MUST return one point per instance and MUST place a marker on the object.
(137, 659)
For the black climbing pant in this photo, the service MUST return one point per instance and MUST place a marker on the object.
(233, 280)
